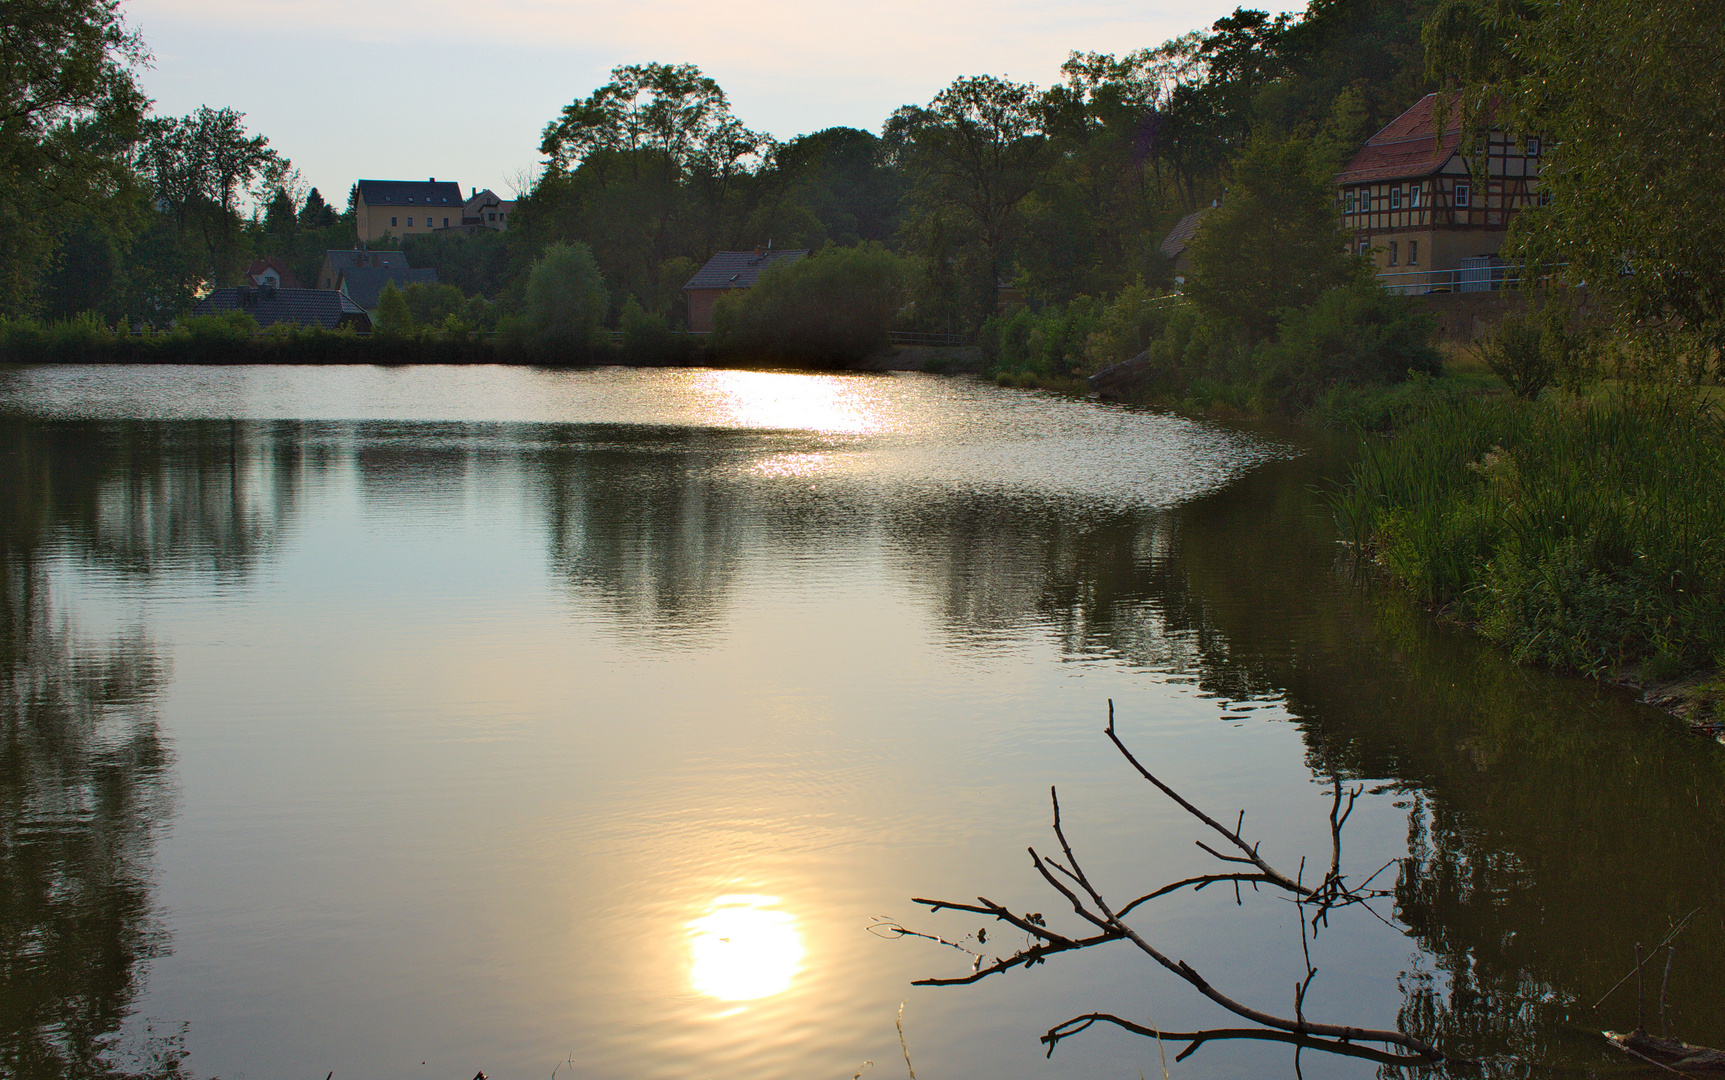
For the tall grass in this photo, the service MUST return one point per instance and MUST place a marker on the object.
(1587, 535)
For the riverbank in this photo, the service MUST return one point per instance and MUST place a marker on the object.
(1584, 534)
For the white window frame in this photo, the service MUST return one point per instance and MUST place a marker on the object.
(1396, 197)
(1464, 196)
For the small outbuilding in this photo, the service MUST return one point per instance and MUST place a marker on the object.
(1174, 245)
(725, 271)
(324, 308)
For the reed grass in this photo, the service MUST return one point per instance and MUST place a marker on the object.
(1584, 534)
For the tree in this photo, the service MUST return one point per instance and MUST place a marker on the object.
(393, 315)
(565, 299)
(1274, 243)
(976, 152)
(830, 309)
(669, 109)
(1628, 96)
(69, 113)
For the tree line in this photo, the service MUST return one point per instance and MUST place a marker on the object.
(1062, 193)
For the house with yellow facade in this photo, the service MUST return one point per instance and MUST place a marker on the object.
(406, 207)
(1430, 219)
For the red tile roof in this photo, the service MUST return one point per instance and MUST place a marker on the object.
(1407, 146)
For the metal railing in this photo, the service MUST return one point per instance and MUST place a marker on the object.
(1473, 275)
(917, 337)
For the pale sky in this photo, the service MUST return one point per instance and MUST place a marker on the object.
(391, 89)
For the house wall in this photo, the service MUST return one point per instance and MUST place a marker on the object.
(701, 303)
(373, 221)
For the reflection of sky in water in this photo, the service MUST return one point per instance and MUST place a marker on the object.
(596, 719)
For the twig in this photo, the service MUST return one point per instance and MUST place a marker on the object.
(1670, 950)
(902, 1045)
(1667, 939)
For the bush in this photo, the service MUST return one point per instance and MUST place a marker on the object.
(831, 309)
(1356, 334)
(1580, 535)
(565, 300)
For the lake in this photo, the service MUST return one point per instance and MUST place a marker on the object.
(603, 724)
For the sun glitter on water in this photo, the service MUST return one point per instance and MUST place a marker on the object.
(744, 948)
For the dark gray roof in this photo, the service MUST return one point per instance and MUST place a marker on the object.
(739, 269)
(365, 284)
(341, 260)
(410, 193)
(1181, 234)
(307, 307)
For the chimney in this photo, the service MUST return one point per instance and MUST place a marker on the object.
(475, 194)
(760, 252)
(431, 179)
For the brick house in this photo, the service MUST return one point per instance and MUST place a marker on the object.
(1415, 205)
(725, 271)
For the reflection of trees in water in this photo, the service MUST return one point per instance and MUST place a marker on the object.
(1552, 824)
(209, 496)
(84, 783)
(654, 527)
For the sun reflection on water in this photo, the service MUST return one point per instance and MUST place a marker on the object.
(792, 402)
(744, 948)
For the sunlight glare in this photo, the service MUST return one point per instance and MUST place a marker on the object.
(744, 948)
(780, 401)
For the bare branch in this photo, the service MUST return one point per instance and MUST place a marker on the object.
(1199, 1038)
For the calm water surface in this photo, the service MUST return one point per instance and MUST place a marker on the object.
(407, 723)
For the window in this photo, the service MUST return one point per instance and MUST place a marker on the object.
(1395, 198)
(1365, 246)
(491, 216)
(1392, 252)
(1365, 200)
(1414, 196)
(392, 223)
(1413, 252)
(410, 223)
(1533, 146)
(1348, 203)
(446, 223)
(1462, 194)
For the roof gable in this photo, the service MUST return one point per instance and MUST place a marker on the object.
(740, 269)
(1408, 146)
(410, 193)
(1181, 234)
(365, 284)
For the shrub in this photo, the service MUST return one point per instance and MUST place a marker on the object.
(1358, 333)
(565, 300)
(830, 309)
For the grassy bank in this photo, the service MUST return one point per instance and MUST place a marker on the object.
(1581, 534)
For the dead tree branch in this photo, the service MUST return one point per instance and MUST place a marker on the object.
(1066, 875)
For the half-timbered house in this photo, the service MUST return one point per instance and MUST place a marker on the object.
(1427, 217)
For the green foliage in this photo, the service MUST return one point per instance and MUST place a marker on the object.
(477, 264)
(393, 315)
(1274, 243)
(1582, 535)
(433, 305)
(647, 338)
(1628, 95)
(566, 299)
(1355, 334)
(832, 308)
(1530, 351)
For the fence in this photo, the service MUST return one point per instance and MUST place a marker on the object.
(915, 337)
(1485, 274)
